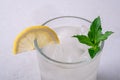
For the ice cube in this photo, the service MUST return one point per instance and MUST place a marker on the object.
(69, 49)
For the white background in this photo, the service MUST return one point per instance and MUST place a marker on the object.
(15, 15)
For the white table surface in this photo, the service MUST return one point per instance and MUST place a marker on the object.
(15, 15)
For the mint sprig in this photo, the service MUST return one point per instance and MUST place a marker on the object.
(94, 37)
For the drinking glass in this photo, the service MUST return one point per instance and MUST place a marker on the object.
(76, 69)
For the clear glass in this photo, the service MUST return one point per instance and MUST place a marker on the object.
(52, 69)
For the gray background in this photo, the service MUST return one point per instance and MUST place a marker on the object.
(15, 15)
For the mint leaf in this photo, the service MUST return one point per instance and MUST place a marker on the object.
(98, 35)
(84, 39)
(94, 28)
(96, 25)
(105, 36)
(94, 37)
(93, 51)
(91, 36)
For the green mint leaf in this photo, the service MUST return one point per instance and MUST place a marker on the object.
(96, 24)
(98, 35)
(94, 37)
(91, 36)
(84, 39)
(93, 51)
(94, 28)
(105, 35)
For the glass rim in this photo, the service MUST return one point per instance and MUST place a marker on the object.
(61, 62)
(65, 17)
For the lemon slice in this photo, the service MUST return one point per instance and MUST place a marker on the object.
(25, 40)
